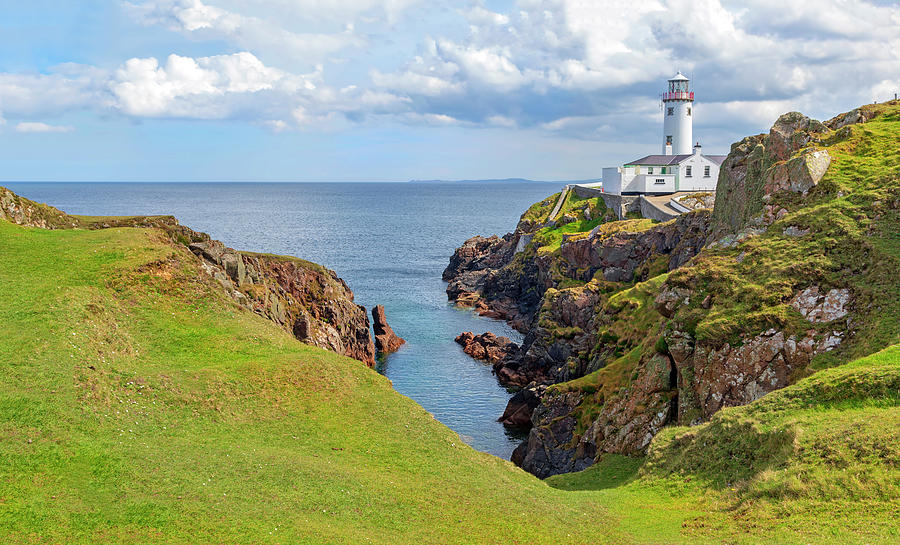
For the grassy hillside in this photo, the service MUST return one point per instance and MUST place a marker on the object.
(139, 405)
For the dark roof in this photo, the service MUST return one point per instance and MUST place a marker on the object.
(664, 160)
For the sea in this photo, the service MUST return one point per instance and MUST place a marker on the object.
(388, 241)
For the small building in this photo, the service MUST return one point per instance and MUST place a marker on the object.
(677, 169)
(662, 174)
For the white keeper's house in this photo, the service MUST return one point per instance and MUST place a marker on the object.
(680, 167)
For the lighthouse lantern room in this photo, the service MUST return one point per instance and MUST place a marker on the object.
(678, 105)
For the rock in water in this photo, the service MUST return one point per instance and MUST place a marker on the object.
(386, 340)
(521, 406)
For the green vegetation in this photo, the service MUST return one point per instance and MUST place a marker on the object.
(548, 239)
(843, 234)
(538, 212)
(611, 471)
(140, 405)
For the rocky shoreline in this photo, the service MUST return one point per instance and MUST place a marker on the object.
(612, 351)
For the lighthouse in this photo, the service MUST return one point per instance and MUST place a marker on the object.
(682, 167)
(678, 105)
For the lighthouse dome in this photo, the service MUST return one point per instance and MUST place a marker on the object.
(679, 77)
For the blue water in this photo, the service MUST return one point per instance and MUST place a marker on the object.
(389, 241)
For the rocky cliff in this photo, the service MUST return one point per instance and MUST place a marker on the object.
(638, 325)
(304, 298)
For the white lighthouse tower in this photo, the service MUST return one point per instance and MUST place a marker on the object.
(678, 105)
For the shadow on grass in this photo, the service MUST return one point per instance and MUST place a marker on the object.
(611, 471)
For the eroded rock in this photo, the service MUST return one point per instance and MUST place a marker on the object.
(386, 340)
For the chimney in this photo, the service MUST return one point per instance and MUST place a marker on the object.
(697, 148)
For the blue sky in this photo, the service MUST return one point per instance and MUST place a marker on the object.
(318, 90)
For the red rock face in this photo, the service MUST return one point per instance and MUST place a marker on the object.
(386, 340)
(618, 256)
(310, 301)
(710, 378)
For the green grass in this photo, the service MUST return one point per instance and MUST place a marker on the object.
(139, 405)
(853, 224)
(611, 471)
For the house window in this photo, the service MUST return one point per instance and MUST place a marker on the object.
(689, 112)
(670, 111)
(649, 170)
(688, 172)
(663, 170)
(706, 172)
(659, 181)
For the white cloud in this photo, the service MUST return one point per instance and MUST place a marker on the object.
(577, 67)
(215, 87)
(37, 127)
(69, 87)
(193, 17)
(502, 121)
(276, 125)
(412, 82)
(564, 64)
(480, 16)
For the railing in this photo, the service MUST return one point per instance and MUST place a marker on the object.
(678, 95)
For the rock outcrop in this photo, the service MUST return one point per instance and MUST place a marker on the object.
(22, 211)
(386, 341)
(306, 299)
(618, 256)
(670, 323)
(521, 405)
(500, 352)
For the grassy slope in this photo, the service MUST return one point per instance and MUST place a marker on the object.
(820, 458)
(139, 405)
(830, 462)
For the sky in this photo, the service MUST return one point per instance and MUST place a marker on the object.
(391, 90)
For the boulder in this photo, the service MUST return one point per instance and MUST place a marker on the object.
(521, 407)
(487, 346)
(386, 340)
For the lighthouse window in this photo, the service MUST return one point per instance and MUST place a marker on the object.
(670, 111)
(688, 172)
(706, 172)
(689, 111)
